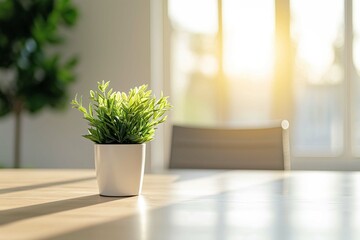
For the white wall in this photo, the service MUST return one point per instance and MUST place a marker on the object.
(112, 39)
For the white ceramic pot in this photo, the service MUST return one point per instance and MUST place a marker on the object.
(120, 168)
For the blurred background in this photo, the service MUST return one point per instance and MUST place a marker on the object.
(112, 42)
(224, 63)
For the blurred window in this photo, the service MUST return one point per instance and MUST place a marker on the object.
(236, 62)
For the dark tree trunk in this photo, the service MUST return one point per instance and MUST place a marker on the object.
(17, 138)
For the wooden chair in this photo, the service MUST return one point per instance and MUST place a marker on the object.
(230, 148)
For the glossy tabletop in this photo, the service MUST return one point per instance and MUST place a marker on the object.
(186, 204)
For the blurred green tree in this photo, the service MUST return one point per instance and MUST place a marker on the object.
(32, 76)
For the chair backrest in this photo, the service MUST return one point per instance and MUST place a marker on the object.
(245, 148)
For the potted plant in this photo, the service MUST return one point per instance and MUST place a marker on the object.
(120, 124)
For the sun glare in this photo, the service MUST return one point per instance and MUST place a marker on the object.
(316, 35)
(249, 33)
(249, 38)
(356, 20)
(197, 16)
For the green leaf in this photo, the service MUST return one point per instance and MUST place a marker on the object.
(71, 63)
(118, 117)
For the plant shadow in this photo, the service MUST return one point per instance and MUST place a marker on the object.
(23, 213)
(199, 218)
(43, 185)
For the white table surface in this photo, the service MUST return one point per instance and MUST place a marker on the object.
(184, 204)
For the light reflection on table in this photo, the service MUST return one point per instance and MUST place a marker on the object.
(185, 205)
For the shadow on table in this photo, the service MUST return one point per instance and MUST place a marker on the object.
(23, 213)
(199, 218)
(43, 185)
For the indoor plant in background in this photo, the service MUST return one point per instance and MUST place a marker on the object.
(31, 76)
(120, 124)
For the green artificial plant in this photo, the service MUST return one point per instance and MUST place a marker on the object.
(32, 76)
(121, 118)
